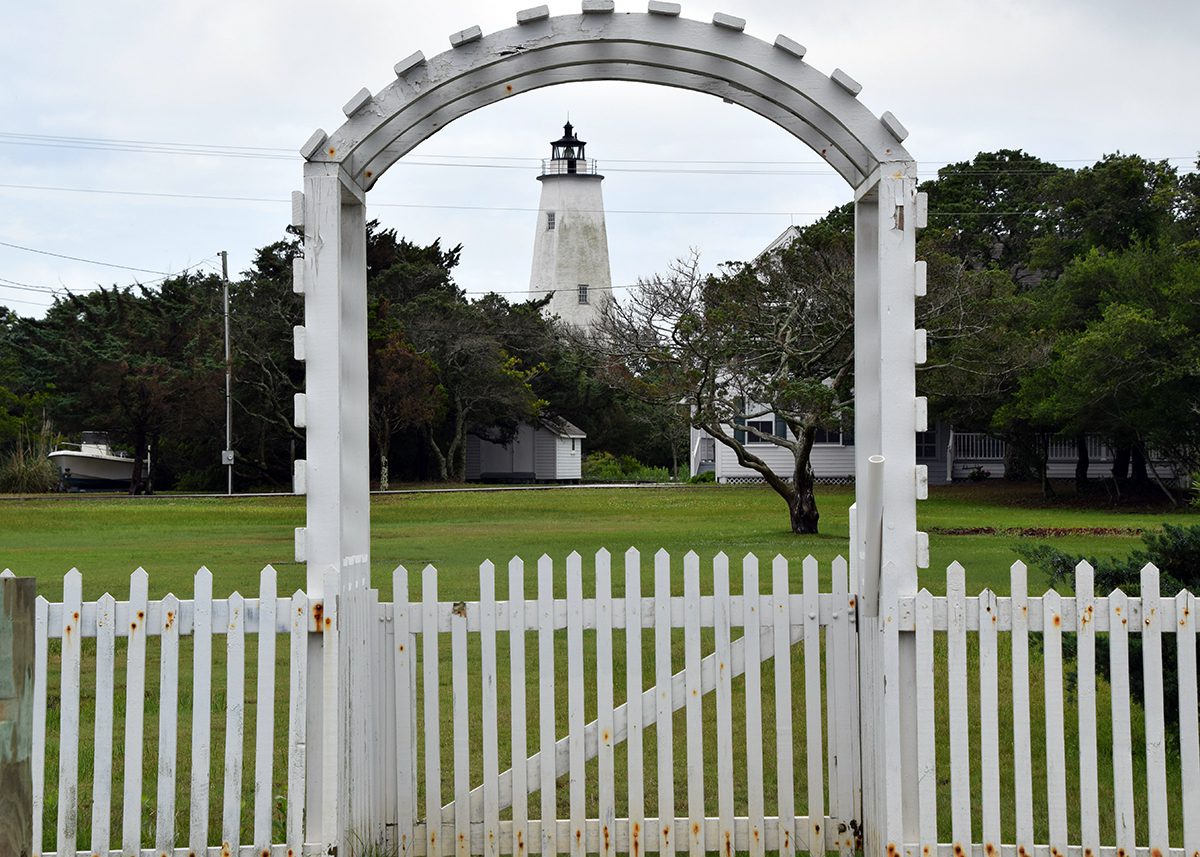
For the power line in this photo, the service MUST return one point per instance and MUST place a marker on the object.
(451, 207)
(232, 150)
(81, 259)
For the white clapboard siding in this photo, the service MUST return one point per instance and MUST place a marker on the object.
(102, 747)
(68, 710)
(168, 714)
(235, 714)
(201, 753)
(264, 711)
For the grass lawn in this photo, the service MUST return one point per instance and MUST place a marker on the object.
(106, 538)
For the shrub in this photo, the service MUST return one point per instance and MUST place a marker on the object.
(26, 470)
(1175, 552)
(703, 478)
(605, 467)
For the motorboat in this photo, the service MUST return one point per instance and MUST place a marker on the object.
(92, 465)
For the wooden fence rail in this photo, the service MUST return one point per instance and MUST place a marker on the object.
(601, 711)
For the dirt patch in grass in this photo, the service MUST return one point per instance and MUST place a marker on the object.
(1037, 532)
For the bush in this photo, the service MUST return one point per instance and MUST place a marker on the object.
(1175, 552)
(26, 470)
(605, 467)
(703, 478)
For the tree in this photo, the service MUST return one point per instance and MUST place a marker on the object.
(405, 393)
(763, 346)
(1125, 362)
(144, 363)
(989, 211)
(264, 309)
(763, 353)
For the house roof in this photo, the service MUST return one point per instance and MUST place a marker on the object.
(562, 427)
(782, 242)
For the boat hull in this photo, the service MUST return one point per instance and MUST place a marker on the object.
(87, 472)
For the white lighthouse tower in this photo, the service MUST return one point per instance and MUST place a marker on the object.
(570, 243)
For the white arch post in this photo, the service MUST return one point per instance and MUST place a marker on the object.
(770, 79)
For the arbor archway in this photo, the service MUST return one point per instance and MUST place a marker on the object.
(657, 47)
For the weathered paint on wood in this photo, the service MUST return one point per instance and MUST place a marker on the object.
(17, 612)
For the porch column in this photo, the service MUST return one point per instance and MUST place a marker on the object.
(885, 424)
(334, 476)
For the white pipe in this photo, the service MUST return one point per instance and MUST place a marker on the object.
(870, 542)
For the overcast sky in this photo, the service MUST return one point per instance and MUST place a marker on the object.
(237, 88)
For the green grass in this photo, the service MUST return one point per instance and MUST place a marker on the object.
(106, 538)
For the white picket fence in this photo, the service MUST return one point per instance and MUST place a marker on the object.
(1072, 820)
(452, 692)
(168, 620)
(694, 653)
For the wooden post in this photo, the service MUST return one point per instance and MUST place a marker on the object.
(16, 714)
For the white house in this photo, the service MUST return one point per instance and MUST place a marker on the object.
(551, 451)
(833, 454)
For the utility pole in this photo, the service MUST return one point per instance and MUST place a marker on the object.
(227, 453)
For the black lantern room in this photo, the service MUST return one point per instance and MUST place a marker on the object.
(569, 149)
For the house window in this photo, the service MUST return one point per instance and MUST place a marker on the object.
(583, 293)
(549, 220)
(572, 444)
(767, 427)
(927, 444)
(832, 436)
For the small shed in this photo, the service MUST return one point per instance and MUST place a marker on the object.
(551, 451)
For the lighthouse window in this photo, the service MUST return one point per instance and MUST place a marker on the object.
(583, 293)
(549, 220)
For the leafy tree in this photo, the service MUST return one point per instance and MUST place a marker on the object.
(762, 346)
(989, 211)
(263, 311)
(1126, 360)
(1121, 200)
(143, 363)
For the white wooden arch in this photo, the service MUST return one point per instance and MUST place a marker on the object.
(658, 47)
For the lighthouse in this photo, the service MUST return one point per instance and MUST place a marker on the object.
(570, 243)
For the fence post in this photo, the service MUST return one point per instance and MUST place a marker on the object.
(17, 597)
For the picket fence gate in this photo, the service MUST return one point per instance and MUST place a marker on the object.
(392, 791)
